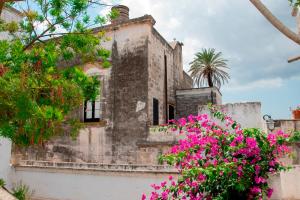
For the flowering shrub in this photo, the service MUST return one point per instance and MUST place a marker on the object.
(298, 107)
(221, 161)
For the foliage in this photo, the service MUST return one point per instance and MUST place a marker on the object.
(295, 3)
(22, 192)
(2, 183)
(222, 161)
(298, 107)
(38, 92)
(209, 67)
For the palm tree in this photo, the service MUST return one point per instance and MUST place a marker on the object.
(208, 67)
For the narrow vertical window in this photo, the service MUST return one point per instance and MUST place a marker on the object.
(166, 87)
(155, 112)
(171, 112)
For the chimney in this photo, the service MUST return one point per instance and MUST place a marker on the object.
(123, 14)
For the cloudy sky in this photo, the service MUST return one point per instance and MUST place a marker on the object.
(256, 51)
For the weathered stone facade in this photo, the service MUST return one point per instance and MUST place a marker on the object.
(144, 66)
(188, 100)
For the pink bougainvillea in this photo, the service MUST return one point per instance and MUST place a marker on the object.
(221, 161)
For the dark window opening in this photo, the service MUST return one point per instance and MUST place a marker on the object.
(92, 111)
(155, 112)
(171, 112)
(166, 88)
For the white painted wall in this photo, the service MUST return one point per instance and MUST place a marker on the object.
(66, 184)
(5, 155)
(86, 184)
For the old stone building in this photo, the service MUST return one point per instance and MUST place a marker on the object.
(115, 154)
(137, 92)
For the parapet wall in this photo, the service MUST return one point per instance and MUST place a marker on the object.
(247, 114)
(188, 100)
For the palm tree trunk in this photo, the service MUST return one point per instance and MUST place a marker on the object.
(276, 22)
(209, 80)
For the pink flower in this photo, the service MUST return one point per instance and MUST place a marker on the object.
(232, 144)
(165, 195)
(259, 180)
(255, 190)
(163, 184)
(269, 192)
(182, 122)
(170, 178)
(143, 197)
(201, 177)
(272, 139)
(155, 187)
(272, 163)
(251, 142)
(257, 169)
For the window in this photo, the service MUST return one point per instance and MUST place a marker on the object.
(92, 110)
(155, 112)
(171, 112)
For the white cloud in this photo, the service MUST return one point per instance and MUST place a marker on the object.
(255, 85)
(254, 48)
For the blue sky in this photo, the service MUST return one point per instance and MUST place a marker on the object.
(256, 51)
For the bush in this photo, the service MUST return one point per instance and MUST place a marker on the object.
(222, 161)
(22, 192)
(2, 183)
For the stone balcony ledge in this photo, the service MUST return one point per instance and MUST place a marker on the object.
(96, 167)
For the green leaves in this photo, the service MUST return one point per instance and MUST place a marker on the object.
(38, 92)
(2, 183)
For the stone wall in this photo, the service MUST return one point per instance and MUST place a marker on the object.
(127, 91)
(187, 82)
(247, 114)
(187, 101)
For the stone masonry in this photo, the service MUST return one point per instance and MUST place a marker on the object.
(188, 100)
(144, 67)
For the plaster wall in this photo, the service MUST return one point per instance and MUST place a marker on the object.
(290, 183)
(91, 184)
(87, 184)
(5, 156)
(247, 114)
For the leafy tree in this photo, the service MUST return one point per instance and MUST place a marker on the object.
(294, 3)
(208, 67)
(38, 92)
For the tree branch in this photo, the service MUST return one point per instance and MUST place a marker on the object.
(275, 21)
